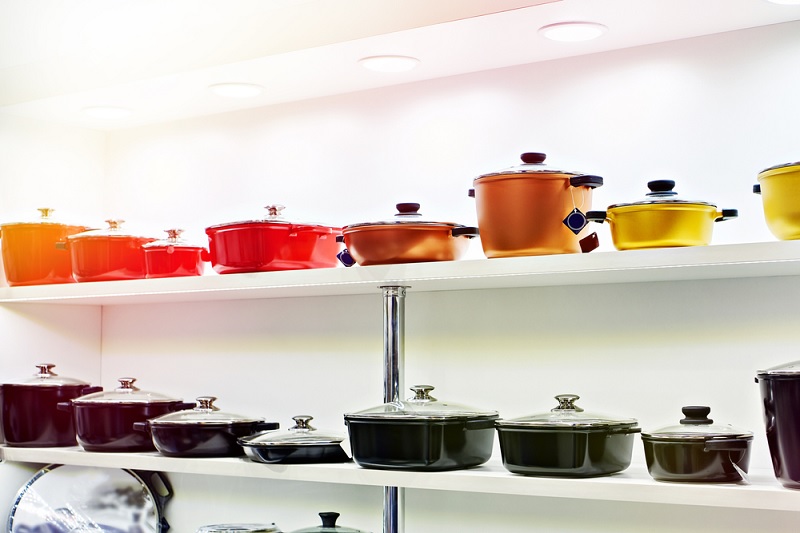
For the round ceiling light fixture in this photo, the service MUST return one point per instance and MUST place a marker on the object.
(389, 63)
(236, 90)
(107, 112)
(573, 32)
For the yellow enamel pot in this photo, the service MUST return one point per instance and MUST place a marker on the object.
(779, 187)
(661, 220)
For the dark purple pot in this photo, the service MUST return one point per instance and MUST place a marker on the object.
(780, 395)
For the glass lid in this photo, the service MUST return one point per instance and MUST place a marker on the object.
(239, 528)
(785, 370)
(124, 394)
(45, 377)
(301, 434)
(205, 412)
(274, 216)
(696, 426)
(661, 192)
(329, 525)
(567, 415)
(407, 213)
(173, 240)
(45, 217)
(421, 406)
(114, 230)
(532, 163)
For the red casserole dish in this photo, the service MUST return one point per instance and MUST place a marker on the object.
(272, 243)
(173, 256)
(109, 254)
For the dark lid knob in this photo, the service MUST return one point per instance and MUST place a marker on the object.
(533, 157)
(407, 209)
(661, 187)
(696, 414)
(329, 519)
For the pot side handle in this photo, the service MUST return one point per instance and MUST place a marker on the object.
(757, 188)
(596, 216)
(727, 445)
(586, 180)
(64, 406)
(465, 231)
(144, 427)
(265, 426)
(727, 214)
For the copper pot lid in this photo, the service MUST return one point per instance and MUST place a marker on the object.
(407, 214)
(533, 164)
(567, 415)
(274, 217)
(126, 393)
(422, 406)
(696, 426)
(45, 377)
(205, 413)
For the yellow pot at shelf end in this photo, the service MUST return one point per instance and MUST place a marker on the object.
(779, 187)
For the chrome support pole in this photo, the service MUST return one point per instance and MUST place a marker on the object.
(393, 361)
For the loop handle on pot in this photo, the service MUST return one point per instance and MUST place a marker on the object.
(465, 231)
(726, 445)
(757, 188)
(727, 214)
(597, 216)
(586, 180)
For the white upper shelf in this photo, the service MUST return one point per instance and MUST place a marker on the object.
(749, 260)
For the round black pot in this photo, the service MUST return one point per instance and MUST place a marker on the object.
(201, 440)
(298, 454)
(780, 395)
(710, 460)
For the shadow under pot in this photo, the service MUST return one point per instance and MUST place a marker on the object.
(301, 443)
(31, 252)
(202, 431)
(108, 254)
(779, 187)
(104, 421)
(173, 257)
(272, 243)
(406, 239)
(567, 442)
(329, 526)
(661, 220)
(780, 397)
(698, 450)
(421, 433)
(30, 413)
(534, 209)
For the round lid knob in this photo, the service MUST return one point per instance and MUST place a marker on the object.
(408, 210)
(302, 422)
(329, 519)
(567, 402)
(661, 188)
(422, 393)
(696, 415)
(533, 158)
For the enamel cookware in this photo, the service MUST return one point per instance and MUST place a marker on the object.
(779, 187)
(780, 399)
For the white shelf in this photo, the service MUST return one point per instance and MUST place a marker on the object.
(748, 260)
(632, 485)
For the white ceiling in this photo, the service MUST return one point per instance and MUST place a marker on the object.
(157, 57)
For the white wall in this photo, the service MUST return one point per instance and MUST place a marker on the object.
(709, 112)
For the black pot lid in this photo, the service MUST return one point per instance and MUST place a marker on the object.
(568, 416)
(407, 214)
(126, 393)
(422, 406)
(239, 528)
(173, 240)
(329, 526)
(301, 434)
(45, 377)
(786, 370)
(204, 413)
(274, 216)
(661, 192)
(696, 426)
(532, 163)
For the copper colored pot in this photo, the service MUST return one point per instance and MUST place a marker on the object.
(172, 257)
(30, 252)
(272, 243)
(406, 239)
(110, 254)
(534, 209)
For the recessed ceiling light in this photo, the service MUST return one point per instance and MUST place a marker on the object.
(236, 90)
(107, 112)
(573, 31)
(389, 63)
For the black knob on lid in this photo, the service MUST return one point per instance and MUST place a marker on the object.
(329, 519)
(533, 157)
(407, 208)
(661, 187)
(696, 414)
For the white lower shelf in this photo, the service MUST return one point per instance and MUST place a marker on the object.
(632, 485)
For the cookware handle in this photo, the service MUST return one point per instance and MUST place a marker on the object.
(589, 243)
(265, 426)
(480, 424)
(465, 231)
(596, 216)
(471, 193)
(64, 406)
(727, 214)
(757, 188)
(340, 238)
(182, 406)
(90, 390)
(205, 255)
(726, 445)
(61, 245)
(141, 426)
(161, 490)
(586, 180)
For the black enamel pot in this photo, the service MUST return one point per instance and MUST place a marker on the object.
(203, 431)
(301, 443)
(104, 421)
(30, 414)
(780, 396)
(698, 450)
(567, 442)
(421, 434)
